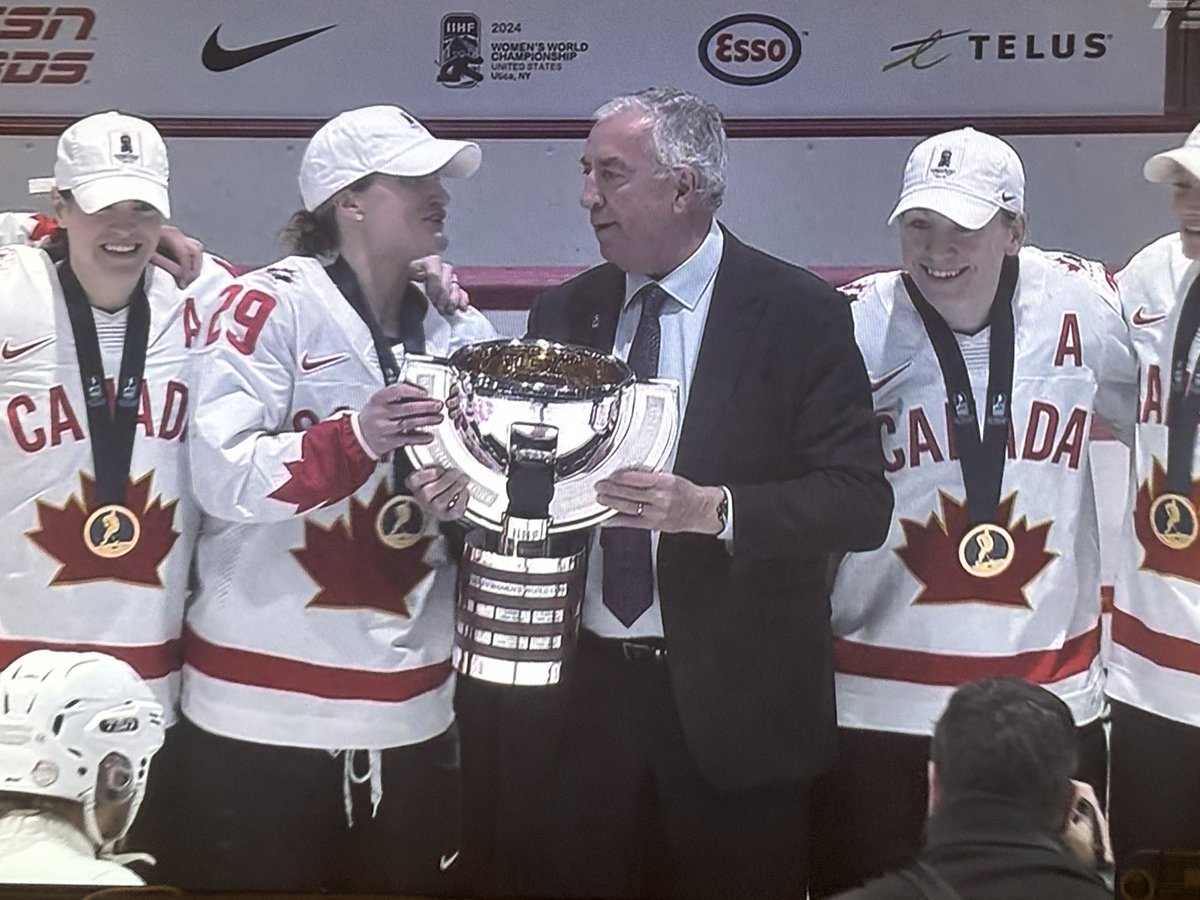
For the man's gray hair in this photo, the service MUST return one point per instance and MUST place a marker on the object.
(684, 131)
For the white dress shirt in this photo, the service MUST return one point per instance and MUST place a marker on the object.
(690, 287)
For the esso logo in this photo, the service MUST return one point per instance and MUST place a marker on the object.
(750, 49)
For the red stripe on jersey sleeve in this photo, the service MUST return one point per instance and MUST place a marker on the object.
(951, 670)
(1164, 649)
(331, 682)
(332, 466)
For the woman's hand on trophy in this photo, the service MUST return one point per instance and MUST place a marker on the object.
(398, 415)
(660, 501)
(441, 284)
(441, 493)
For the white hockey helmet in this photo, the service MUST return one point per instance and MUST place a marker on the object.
(62, 714)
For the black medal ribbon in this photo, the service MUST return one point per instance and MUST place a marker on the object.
(112, 433)
(1183, 408)
(982, 459)
(412, 335)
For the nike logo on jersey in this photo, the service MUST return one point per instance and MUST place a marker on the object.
(1142, 320)
(876, 385)
(447, 861)
(221, 59)
(10, 353)
(313, 363)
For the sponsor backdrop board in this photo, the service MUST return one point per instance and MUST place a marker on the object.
(533, 59)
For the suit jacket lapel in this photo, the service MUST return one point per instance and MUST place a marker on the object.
(733, 315)
(593, 321)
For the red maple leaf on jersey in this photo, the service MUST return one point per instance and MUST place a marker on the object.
(1159, 558)
(354, 568)
(60, 533)
(931, 554)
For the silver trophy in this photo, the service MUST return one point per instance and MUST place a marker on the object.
(535, 426)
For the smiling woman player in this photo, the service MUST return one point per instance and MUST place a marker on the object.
(988, 360)
(96, 519)
(317, 683)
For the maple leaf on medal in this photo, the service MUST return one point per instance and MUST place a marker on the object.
(354, 568)
(1182, 561)
(931, 553)
(60, 534)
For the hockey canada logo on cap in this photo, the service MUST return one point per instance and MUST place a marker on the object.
(125, 147)
(944, 167)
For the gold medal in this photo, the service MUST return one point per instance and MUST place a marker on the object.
(111, 531)
(1173, 521)
(986, 550)
(400, 523)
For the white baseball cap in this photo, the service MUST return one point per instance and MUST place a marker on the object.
(966, 175)
(1161, 166)
(110, 157)
(382, 139)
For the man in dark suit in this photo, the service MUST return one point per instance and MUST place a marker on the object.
(674, 758)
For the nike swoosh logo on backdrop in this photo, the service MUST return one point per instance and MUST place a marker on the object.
(445, 862)
(312, 363)
(1141, 319)
(11, 353)
(876, 385)
(221, 59)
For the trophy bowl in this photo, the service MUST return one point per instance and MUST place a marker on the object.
(604, 419)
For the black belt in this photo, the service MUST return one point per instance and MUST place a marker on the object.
(652, 650)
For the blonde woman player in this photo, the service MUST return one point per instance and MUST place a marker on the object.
(318, 684)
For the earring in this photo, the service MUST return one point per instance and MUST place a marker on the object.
(358, 217)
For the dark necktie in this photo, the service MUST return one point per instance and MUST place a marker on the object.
(628, 571)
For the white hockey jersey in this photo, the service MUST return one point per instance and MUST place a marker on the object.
(307, 630)
(40, 848)
(55, 592)
(1155, 661)
(909, 622)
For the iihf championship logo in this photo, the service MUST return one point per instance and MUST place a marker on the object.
(460, 56)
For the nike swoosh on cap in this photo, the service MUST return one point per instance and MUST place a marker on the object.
(312, 363)
(10, 353)
(1142, 320)
(221, 59)
(876, 385)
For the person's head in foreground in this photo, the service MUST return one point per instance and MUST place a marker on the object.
(1180, 168)
(653, 176)
(371, 182)
(961, 212)
(110, 196)
(1006, 738)
(77, 732)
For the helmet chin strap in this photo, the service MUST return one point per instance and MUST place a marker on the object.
(92, 827)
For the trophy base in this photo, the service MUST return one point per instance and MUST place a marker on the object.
(516, 618)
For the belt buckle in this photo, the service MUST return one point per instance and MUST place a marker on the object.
(632, 651)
